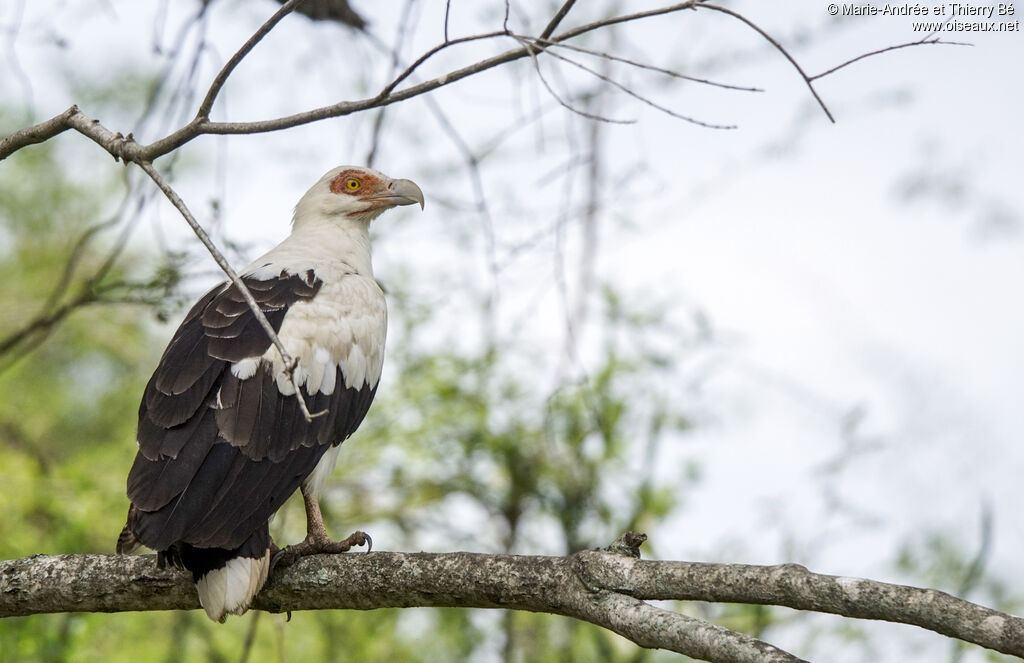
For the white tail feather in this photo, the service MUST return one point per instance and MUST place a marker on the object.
(230, 590)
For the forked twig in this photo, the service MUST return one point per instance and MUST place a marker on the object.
(779, 47)
(544, 81)
(922, 42)
(637, 96)
(648, 67)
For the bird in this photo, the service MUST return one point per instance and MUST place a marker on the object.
(222, 437)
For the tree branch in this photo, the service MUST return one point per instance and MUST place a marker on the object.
(605, 587)
(112, 583)
(128, 150)
(37, 133)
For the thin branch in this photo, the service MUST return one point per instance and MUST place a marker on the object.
(626, 18)
(779, 47)
(41, 326)
(447, 11)
(565, 104)
(483, 209)
(250, 637)
(78, 251)
(387, 89)
(13, 31)
(88, 292)
(557, 18)
(648, 67)
(638, 96)
(170, 61)
(923, 42)
(222, 76)
(974, 571)
(396, 58)
(290, 362)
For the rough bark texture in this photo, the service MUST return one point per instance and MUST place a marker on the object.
(605, 587)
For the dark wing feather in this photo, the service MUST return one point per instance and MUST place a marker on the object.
(218, 454)
(153, 483)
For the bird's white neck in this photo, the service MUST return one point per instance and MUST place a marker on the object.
(337, 242)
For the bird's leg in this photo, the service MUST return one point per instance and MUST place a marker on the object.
(316, 540)
(316, 532)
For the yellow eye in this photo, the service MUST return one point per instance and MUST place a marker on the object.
(352, 184)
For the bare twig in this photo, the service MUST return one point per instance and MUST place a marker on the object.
(779, 47)
(447, 11)
(222, 76)
(290, 363)
(13, 29)
(638, 96)
(389, 88)
(922, 42)
(87, 292)
(250, 637)
(41, 325)
(484, 210)
(626, 18)
(175, 50)
(396, 58)
(648, 67)
(557, 97)
(562, 12)
(79, 249)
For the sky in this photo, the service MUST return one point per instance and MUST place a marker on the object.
(862, 279)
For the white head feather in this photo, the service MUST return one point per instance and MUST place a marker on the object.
(359, 194)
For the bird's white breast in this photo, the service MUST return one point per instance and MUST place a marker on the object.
(345, 326)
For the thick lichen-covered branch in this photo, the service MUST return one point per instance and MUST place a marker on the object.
(609, 588)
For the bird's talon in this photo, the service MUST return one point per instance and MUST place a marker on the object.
(284, 557)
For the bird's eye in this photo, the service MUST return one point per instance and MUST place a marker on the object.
(352, 184)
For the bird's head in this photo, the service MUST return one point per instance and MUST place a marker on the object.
(360, 194)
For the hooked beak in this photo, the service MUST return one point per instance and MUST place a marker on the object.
(401, 192)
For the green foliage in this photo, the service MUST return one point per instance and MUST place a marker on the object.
(70, 375)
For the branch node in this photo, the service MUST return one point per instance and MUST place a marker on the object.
(628, 544)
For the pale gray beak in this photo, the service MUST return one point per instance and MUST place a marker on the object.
(402, 192)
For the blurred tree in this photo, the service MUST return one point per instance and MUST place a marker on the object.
(73, 351)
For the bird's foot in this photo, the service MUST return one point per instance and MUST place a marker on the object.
(316, 545)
